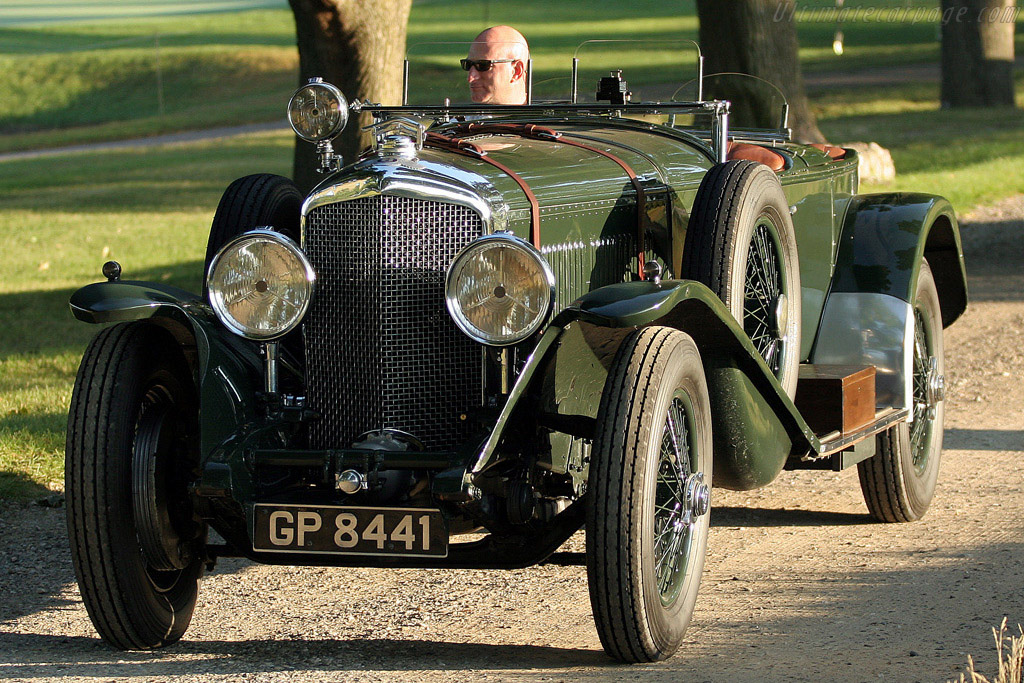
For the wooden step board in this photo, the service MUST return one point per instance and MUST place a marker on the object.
(836, 398)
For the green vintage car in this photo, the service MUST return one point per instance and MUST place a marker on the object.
(500, 325)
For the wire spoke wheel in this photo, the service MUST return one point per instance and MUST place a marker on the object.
(741, 243)
(673, 513)
(762, 295)
(649, 495)
(924, 398)
(899, 481)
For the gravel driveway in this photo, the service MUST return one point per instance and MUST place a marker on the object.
(799, 585)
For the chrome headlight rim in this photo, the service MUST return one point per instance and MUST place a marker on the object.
(335, 91)
(455, 311)
(307, 268)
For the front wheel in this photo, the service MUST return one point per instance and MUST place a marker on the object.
(136, 544)
(649, 496)
(899, 481)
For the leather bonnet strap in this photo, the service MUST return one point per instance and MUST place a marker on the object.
(467, 148)
(531, 130)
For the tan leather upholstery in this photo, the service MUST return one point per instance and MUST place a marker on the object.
(742, 150)
(835, 152)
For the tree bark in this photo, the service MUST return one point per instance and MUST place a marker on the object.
(977, 53)
(358, 45)
(758, 37)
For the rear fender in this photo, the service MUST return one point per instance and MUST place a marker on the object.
(883, 240)
(755, 425)
(868, 317)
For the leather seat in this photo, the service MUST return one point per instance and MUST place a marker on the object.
(835, 153)
(742, 150)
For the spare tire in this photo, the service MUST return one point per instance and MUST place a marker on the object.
(740, 243)
(251, 202)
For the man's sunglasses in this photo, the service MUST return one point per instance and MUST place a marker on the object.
(483, 64)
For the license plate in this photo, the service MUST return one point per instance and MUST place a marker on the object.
(350, 530)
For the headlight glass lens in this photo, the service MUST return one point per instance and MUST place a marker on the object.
(260, 285)
(499, 290)
(317, 111)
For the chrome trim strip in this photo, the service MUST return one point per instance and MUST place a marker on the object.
(415, 179)
(886, 419)
(870, 329)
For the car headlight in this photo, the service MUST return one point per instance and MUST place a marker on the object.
(499, 290)
(317, 111)
(260, 284)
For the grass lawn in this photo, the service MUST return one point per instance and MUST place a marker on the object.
(150, 209)
(109, 78)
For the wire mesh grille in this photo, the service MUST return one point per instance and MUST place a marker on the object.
(381, 350)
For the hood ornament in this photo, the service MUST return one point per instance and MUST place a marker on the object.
(398, 138)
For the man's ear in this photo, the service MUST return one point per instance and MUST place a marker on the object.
(518, 70)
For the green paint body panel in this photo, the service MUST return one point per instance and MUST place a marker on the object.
(671, 165)
(756, 426)
(884, 238)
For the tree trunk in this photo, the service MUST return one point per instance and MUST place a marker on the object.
(758, 37)
(977, 53)
(358, 46)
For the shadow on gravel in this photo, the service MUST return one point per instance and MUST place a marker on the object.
(775, 517)
(53, 329)
(51, 656)
(992, 254)
(984, 439)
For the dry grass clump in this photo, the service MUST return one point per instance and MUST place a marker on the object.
(1011, 667)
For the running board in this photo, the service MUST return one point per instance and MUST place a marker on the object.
(836, 451)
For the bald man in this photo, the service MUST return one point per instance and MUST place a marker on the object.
(497, 66)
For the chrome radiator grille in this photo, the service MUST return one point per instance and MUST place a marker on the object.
(381, 349)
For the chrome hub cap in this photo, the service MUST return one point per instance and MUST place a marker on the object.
(935, 389)
(780, 316)
(680, 498)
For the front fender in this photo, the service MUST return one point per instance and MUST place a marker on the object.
(120, 301)
(226, 368)
(755, 424)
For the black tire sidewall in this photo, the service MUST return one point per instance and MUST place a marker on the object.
(250, 202)
(920, 487)
(684, 374)
(652, 365)
(128, 610)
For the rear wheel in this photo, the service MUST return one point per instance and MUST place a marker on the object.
(740, 243)
(649, 496)
(899, 481)
(251, 202)
(132, 438)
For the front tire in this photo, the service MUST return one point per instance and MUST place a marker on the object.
(899, 481)
(136, 545)
(649, 496)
